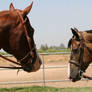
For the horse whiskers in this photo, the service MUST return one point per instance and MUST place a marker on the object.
(18, 71)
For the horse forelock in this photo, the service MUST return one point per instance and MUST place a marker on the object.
(70, 43)
(87, 36)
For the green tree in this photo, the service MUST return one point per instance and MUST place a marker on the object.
(62, 46)
(44, 47)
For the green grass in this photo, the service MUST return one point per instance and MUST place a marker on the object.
(46, 89)
(53, 50)
(42, 51)
(3, 53)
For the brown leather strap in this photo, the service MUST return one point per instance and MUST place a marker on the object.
(11, 67)
(9, 60)
(26, 33)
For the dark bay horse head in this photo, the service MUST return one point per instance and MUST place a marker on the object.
(13, 38)
(81, 53)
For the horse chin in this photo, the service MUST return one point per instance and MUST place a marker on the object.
(28, 68)
(75, 80)
(33, 67)
(37, 64)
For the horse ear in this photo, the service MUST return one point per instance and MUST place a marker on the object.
(11, 7)
(75, 32)
(76, 29)
(27, 9)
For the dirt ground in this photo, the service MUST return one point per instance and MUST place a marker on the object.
(50, 74)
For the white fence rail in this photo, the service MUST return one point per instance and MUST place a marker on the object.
(43, 73)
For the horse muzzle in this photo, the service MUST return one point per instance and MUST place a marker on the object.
(78, 76)
(33, 65)
(37, 64)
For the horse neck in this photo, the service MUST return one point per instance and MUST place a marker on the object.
(88, 42)
(87, 37)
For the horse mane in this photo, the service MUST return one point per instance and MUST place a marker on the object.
(89, 31)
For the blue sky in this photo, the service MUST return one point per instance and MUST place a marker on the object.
(52, 19)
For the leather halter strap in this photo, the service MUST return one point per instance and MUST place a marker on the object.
(72, 62)
(26, 33)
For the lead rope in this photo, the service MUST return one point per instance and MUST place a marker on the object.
(87, 77)
(14, 67)
(9, 60)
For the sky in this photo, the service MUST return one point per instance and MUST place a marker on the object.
(52, 19)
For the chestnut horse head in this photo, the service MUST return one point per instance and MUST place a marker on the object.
(81, 53)
(14, 40)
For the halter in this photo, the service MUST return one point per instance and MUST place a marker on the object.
(81, 47)
(29, 54)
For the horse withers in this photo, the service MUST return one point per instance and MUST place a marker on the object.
(81, 53)
(15, 41)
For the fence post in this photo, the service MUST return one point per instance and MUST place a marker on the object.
(43, 67)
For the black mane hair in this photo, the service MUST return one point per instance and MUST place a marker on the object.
(89, 31)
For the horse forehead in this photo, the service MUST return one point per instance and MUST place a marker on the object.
(7, 17)
(75, 43)
(9, 14)
(2, 13)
